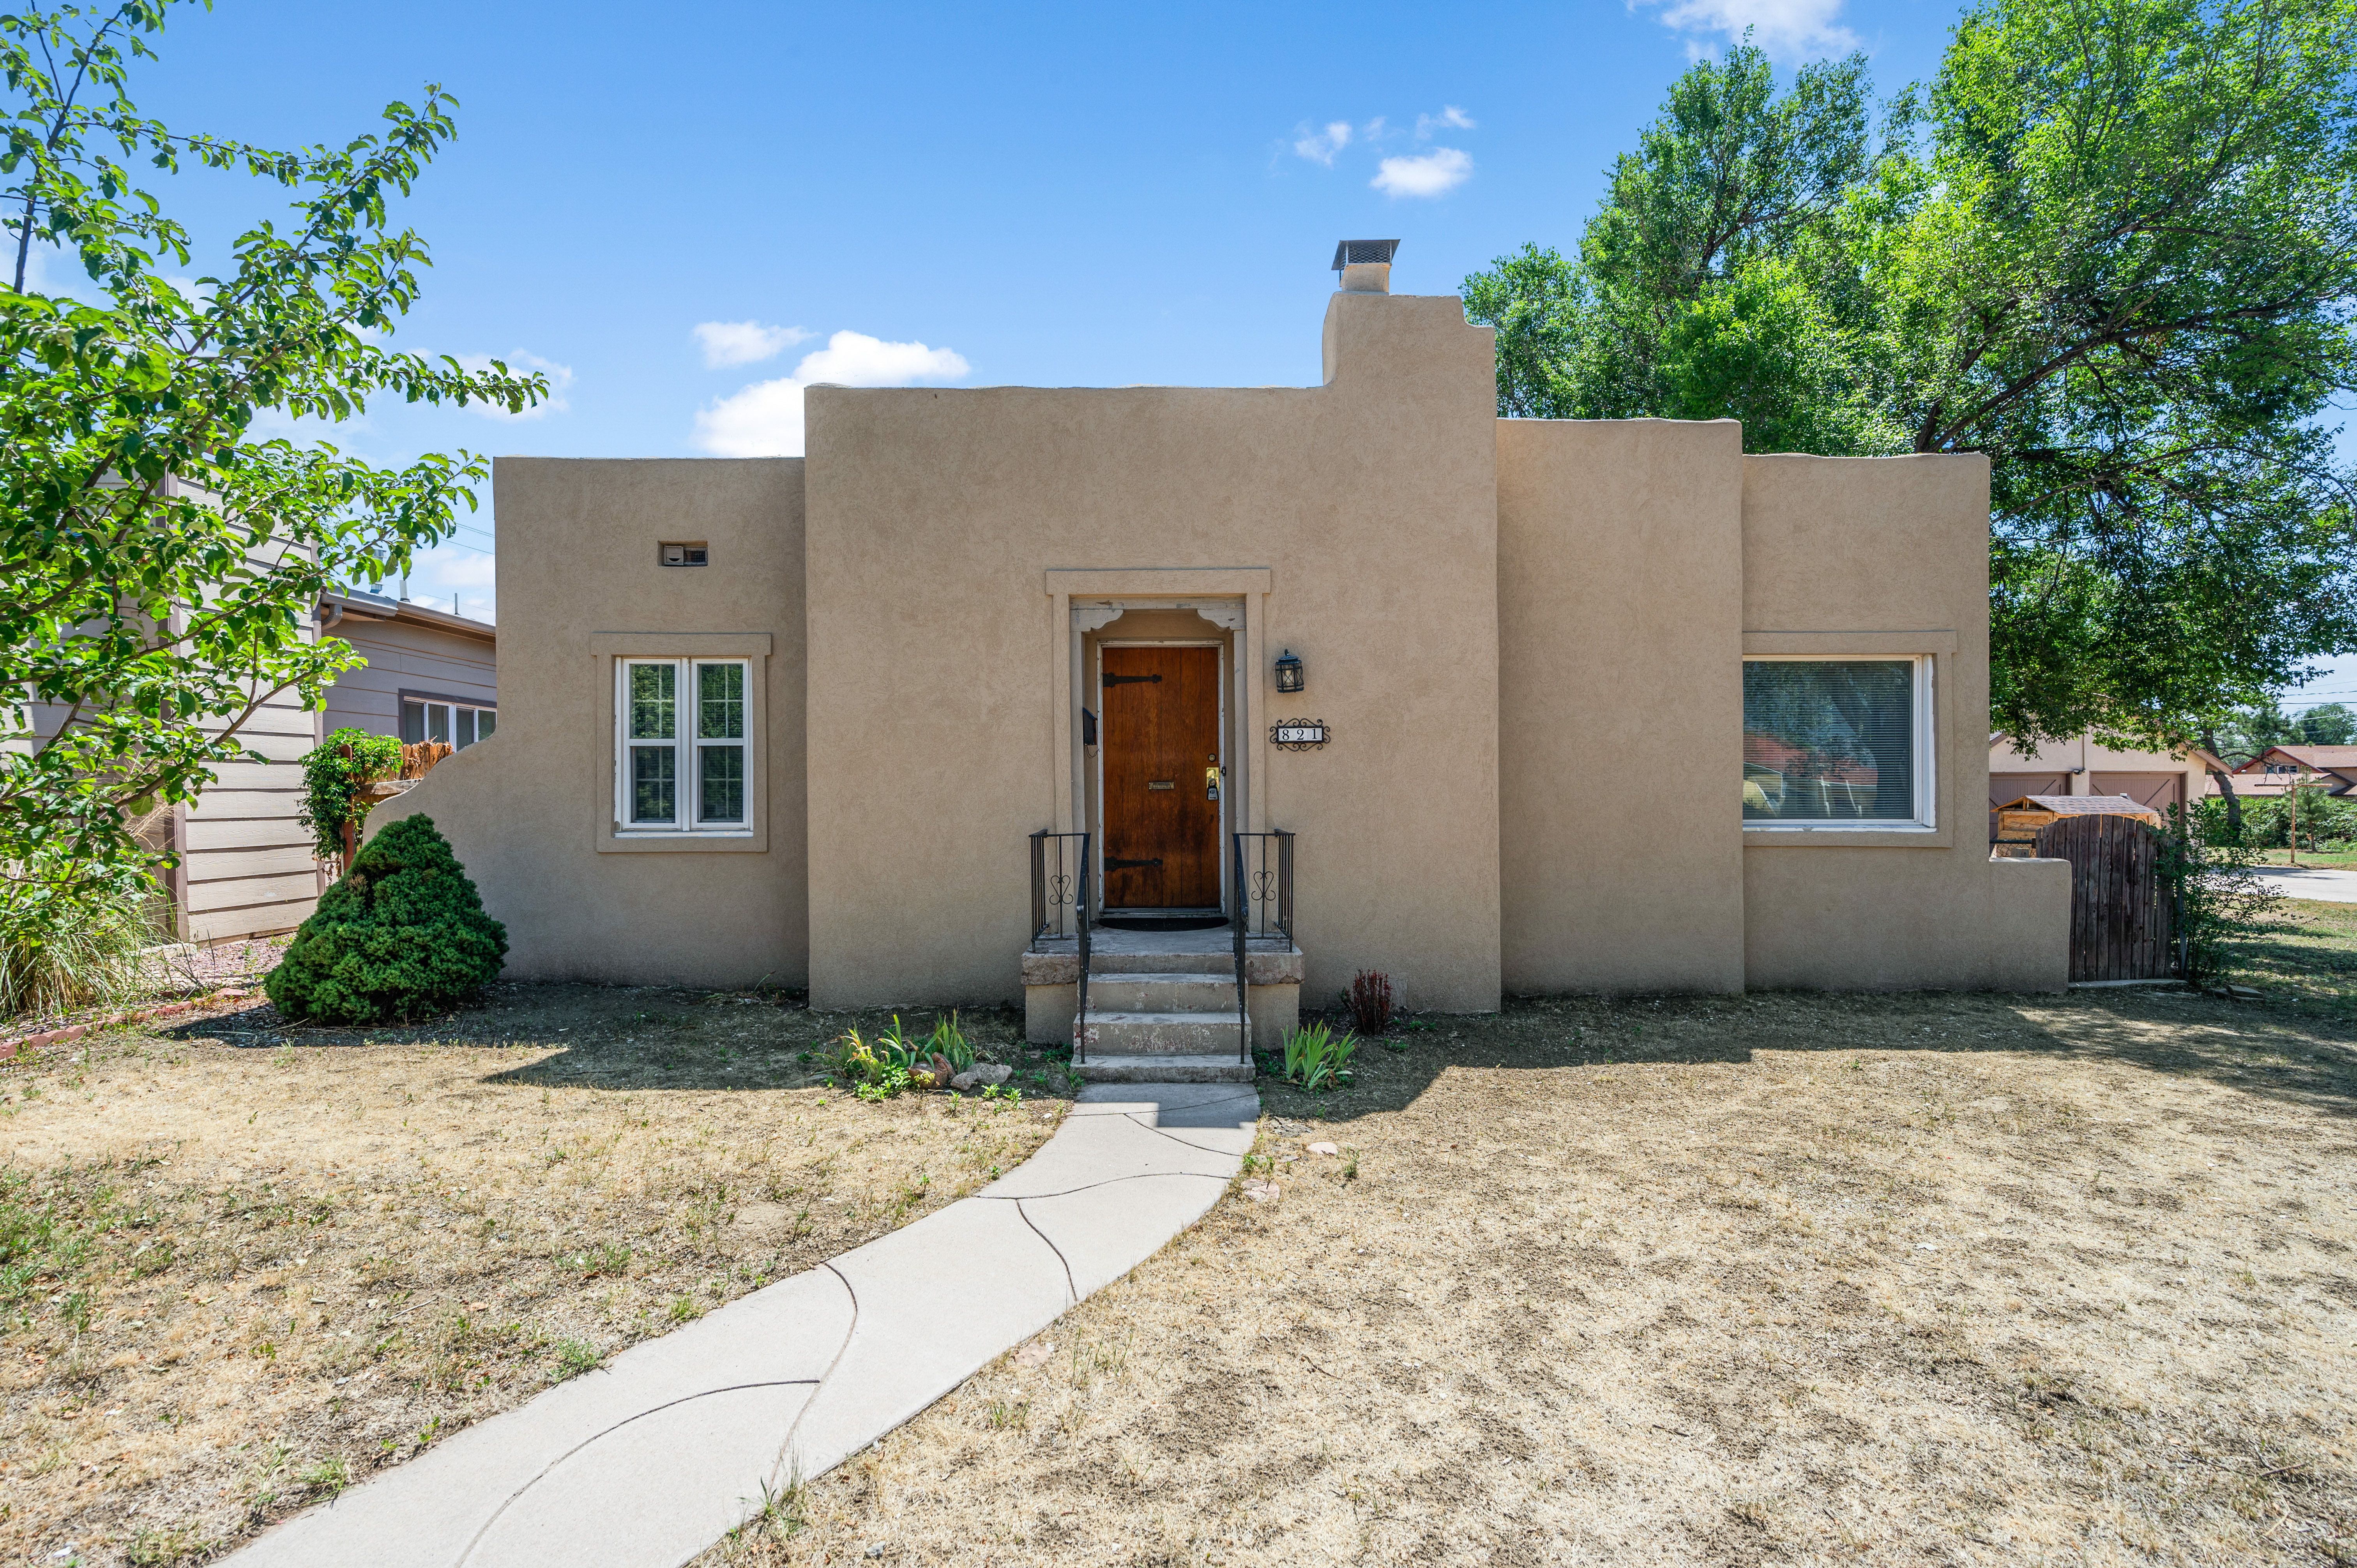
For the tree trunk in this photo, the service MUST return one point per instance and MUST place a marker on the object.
(2225, 787)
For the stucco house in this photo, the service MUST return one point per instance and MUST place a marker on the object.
(1359, 661)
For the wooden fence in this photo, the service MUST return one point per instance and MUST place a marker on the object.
(2122, 910)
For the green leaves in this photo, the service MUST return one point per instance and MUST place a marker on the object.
(2114, 249)
(163, 563)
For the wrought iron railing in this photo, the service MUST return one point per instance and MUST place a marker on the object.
(1264, 883)
(1240, 919)
(1262, 907)
(1060, 887)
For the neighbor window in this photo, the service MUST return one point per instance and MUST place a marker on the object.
(686, 748)
(1839, 743)
(451, 723)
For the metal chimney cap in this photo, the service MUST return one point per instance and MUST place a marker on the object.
(1354, 251)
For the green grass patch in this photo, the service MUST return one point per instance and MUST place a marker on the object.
(2304, 960)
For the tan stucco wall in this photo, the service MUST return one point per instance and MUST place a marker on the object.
(1890, 548)
(1620, 699)
(524, 809)
(1370, 500)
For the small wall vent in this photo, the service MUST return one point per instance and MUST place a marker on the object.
(683, 555)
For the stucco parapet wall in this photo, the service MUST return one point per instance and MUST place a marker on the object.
(1260, 968)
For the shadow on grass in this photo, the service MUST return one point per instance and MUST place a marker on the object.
(2246, 1046)
(2304, 961)
(633, 1038)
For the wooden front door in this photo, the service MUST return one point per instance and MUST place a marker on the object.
(1161, 728)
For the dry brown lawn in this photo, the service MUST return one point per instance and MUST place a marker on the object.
(243, 1266)
(1794, 1280)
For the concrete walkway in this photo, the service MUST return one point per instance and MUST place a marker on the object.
(2323, 883)
(651, 1459)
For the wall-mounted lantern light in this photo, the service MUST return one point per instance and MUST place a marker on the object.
(1288, 673)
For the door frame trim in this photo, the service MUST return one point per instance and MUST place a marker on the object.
(1096, 829)
(1067, 589)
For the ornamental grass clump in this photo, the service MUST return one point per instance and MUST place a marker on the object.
(74, 936)
(402, 936)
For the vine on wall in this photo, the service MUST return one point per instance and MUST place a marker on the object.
(333, 777)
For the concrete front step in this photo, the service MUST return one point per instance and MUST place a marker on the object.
(1163, 1033)
(1175, 993)
(1116, 1068)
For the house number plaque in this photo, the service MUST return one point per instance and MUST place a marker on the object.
(1299, 735)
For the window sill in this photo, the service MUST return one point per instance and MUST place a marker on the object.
(1831, 837)
(755, 842)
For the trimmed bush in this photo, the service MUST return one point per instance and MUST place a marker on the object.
(402, 936)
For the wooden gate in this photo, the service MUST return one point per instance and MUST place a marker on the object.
(2123, 916)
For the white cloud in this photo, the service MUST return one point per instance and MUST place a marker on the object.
(745, 342)
(1452, 118)
(522, 361)
(764, 420)
(463, 572)
(1320, 147)
(1435, 173)
(49, 269)
(855, 360)
(1788, 30)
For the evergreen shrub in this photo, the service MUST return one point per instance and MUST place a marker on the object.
(402, 936)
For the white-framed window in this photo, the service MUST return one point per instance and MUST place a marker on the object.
(1838, 743)
(451, 721)
(683, 747)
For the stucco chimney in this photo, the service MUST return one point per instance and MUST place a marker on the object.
(1365, 265)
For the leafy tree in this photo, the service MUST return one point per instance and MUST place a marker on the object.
(162, 560)
(2250, 731)
(2327, 724)
(2114, 247)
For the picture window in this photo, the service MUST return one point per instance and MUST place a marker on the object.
(1838, 744)
(447, 721)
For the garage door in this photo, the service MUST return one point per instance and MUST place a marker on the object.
(2005, 788)
(2161, 791)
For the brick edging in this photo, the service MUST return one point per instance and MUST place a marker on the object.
(10, 1048)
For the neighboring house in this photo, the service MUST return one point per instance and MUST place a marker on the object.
(431, 675)
(799, 719)
(244, 862)
(246, 867)
(2084, 765)
(2281, 768)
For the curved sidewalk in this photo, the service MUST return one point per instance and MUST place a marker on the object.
(647, 1461)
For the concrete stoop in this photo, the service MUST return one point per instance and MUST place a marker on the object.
(1171, 1028)
(1162, 1006)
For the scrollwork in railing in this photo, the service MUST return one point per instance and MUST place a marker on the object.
(1263, 876)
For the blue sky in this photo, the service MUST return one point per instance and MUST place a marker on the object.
(1053, 195)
